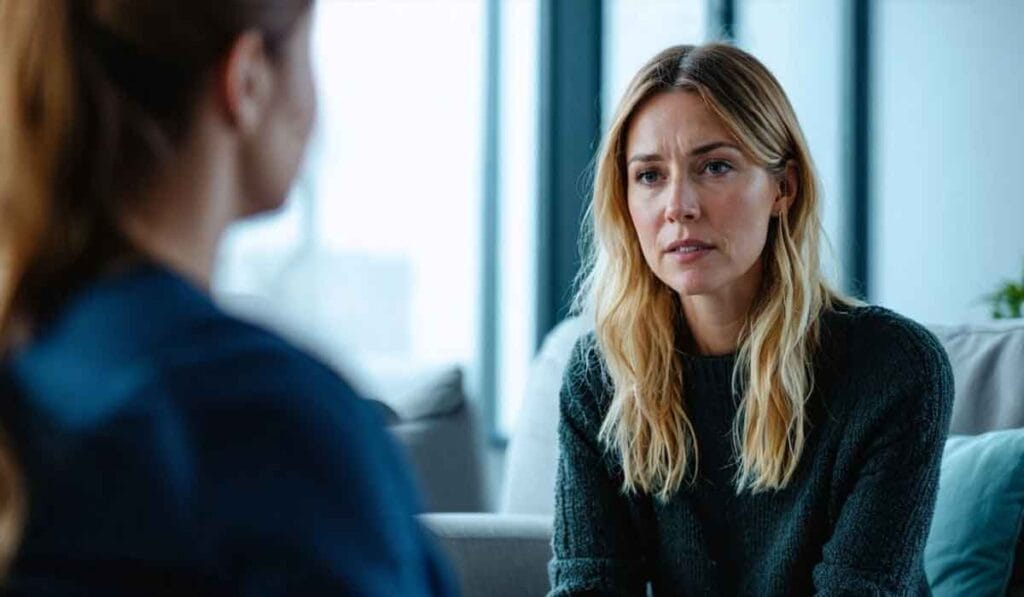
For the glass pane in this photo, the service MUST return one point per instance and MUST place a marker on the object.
(636, 30)
(377, 263)
(517, 283)
(948, 207)
(802, 43)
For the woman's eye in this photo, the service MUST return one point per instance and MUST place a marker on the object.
(648, 177)
(717, 167)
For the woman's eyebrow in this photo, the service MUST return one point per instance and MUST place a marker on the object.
(707, 147)
(700, 150)
(645, 157)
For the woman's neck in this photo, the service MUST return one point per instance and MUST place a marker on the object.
(180, 219)
(712, 332)
(716, 320)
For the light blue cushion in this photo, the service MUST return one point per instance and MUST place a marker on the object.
(978, 514)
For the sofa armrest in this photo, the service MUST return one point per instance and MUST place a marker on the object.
(495, 554)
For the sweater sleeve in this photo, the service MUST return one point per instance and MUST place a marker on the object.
(306, 493)
(889, 457)
(597, 547)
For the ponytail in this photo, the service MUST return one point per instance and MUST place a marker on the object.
(37, 102)
(37, 99)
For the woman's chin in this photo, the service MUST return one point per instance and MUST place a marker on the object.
(692, 291)
(690, 283)
(263, 207)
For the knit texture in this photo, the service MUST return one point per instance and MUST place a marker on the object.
(853, 520)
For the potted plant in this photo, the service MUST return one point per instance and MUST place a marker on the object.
(1008, 300)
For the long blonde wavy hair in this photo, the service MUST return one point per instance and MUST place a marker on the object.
(637, 316)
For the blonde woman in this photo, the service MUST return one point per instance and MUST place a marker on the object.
(733, 426)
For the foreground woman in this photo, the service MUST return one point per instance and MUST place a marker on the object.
(151, 443)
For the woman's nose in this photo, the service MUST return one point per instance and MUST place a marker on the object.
(682, 203)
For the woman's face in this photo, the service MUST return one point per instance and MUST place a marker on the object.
(273, 159)
(700, 207)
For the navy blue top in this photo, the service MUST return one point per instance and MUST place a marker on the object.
(169, 448)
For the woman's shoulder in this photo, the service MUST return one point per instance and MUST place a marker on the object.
(586, 384)
(146, 337)
(880, 335)
(585, 360)
(249, 362)
(895, 361)
(195, 342)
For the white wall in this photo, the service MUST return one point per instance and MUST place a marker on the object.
(948, 156)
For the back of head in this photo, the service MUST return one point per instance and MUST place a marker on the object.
(94, 96)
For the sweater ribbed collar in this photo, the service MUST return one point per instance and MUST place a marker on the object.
(708, 372)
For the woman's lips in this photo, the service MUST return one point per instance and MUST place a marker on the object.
(689, 253)
(689, 250)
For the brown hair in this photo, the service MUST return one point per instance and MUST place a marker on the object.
(636, 315)
(94, 96)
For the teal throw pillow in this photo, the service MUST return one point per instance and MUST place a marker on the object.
(978, 514)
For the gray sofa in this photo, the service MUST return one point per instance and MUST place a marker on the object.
(507, 553)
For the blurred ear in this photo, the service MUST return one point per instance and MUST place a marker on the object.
(244, 82)
(789, 185)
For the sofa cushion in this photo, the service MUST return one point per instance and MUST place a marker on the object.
(532, 456)
(978, 514)
(421, 394)
(987, 370)
(445, 455)
(436, 426)
(1017, 578)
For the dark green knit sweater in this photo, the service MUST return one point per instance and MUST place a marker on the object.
(853, 521)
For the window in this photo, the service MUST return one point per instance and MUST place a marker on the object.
(375, 262)
(636, 30)
(947, 203)
(517, 190)
(779, 33)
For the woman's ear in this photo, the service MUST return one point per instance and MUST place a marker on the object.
(788, 187)
(244, 82)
